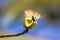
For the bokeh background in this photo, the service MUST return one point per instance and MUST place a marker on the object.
(12, 17)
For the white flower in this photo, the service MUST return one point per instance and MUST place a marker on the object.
(29, 13)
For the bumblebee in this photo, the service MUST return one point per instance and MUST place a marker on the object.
(30, 20)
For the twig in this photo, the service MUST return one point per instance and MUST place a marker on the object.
(24, 32)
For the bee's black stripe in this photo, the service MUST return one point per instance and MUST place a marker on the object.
(33, 18)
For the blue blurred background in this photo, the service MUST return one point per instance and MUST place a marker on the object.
(12, 17)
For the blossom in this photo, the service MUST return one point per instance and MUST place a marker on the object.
(29, 13)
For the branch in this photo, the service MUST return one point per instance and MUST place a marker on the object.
(24, 32)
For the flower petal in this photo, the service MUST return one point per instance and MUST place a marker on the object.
(29, 13)
(37, 15)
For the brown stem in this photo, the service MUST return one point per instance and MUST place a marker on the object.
(24, 32)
